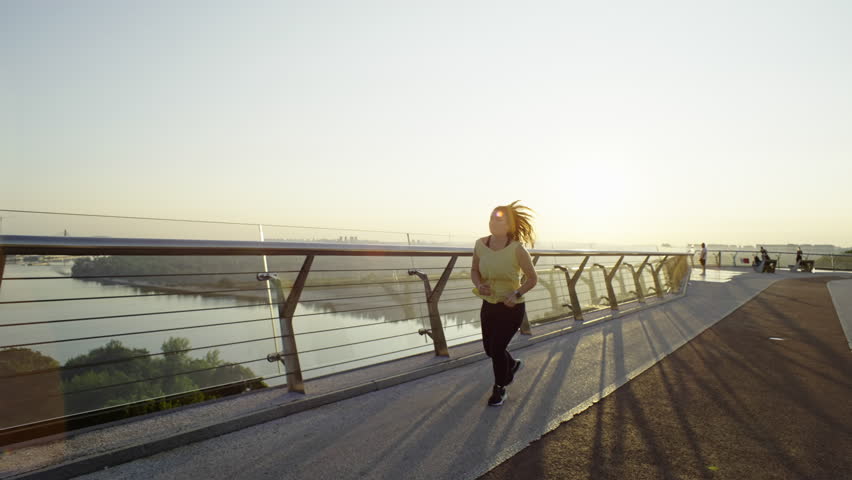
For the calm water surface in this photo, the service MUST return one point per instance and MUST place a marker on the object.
(149, 313)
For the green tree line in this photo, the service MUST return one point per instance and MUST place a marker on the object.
(76, 388)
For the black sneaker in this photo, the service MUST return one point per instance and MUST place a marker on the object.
(498, 396)
(515, 368)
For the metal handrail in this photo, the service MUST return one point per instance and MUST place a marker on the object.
(757, 250)
(40, 245)
(832, 257)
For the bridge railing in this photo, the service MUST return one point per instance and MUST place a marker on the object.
(744, 258)
(234, 315)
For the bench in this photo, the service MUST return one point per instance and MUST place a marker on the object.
(766, 267)
(804, 265)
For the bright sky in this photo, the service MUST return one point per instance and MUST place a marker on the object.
(618, 122)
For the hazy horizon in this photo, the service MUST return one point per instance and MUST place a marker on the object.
(626, 123)
(47, 224)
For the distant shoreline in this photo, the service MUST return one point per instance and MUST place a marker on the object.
(199, 290)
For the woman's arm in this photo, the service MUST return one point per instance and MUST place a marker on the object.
(476, 277)
(530, 277)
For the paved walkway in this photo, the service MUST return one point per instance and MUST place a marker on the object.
(765, 393)
(434, 427)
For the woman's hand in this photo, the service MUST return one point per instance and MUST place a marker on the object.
(484, 289)
(511, 300)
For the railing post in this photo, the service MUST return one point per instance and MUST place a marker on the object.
(640, 297)
(613, 300)
(286, 309)
(571, 280)
(432, 298)
(637, 278)
(608, 276)
(526, 329)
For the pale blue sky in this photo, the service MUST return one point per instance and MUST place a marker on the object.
(634, 122)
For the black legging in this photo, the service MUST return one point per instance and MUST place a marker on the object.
(499, 324)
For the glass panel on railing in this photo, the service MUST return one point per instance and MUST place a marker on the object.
(357, 311)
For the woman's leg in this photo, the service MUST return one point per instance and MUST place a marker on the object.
(485, 314)
(499, 324)
(490, 318)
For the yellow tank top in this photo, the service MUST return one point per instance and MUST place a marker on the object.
(500, 270)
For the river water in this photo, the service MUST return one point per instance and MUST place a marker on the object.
(74, 321)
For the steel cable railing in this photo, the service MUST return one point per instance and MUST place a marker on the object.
(303, 352)
(351, 295)
(147, 379)
(355, 310)
(376, 324)
(354, 360)
(361, 359)
(211, 274)
(131, 358)
(144, 332)
(132, 315)
(152, 275)
(341, 285)
(142, 295)
(329, 299)
(477, 334)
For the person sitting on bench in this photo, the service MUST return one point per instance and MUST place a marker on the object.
(766, 264)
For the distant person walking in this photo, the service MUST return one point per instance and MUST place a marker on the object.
(703, 259)
(498, 261)
(798, 257)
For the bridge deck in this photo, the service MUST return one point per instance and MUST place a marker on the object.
(434, 427)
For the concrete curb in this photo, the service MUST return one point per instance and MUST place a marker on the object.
(837, 289)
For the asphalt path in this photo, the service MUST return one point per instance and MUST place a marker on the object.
(765, 393)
